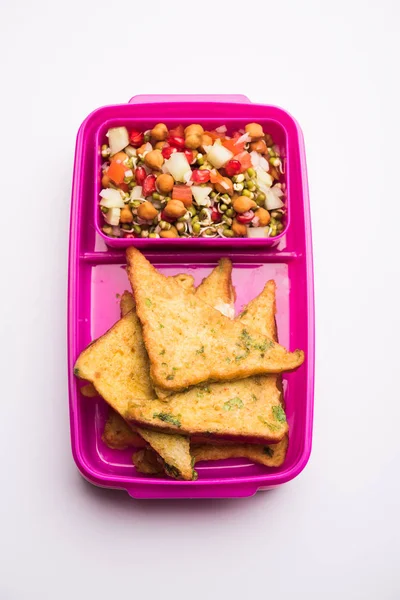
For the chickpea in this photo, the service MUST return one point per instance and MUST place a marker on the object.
(169, 233)
(141, 150)
(227, 188)
(105, 181)
(147, 211)
(126, 215)
(165, 183)
(159, 132)
(120, 156)
(259, 146)
(154, 159)
(175, 209)
(206, 140)
(193, 141)
(242, 204)
(239, 229)
(194, 129)
(263, 216)
(254, 130)
(159, 145)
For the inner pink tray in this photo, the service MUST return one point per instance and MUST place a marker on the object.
(97, 276)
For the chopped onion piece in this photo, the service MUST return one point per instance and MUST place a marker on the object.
(111, 199)
(118, 139)
(130, 151)
(273, 198)
(187, 176)
(221, 129)
(264, 164)
(258, 232)
(201, 195)
(255, 158)
(178, 166)
(218, 156)
(207, 149)
(112, 216)
(263, 177)
(136, 193)
(243, 138)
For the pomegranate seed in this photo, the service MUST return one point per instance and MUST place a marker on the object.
(201, 176)
(189, 156)
(165, 217)
(215, 215)
(136, 138)
(140, 175)
(167, 151)
(149, 185)
(176, 141)
(245, 217)
(129, 235)
(233, 167)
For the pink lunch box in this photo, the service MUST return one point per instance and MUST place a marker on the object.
(97, 276)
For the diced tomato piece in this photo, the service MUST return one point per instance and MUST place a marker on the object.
(213, 134)
(116, 172)
(233, 147)
(245, 160)
(215, 176)
(177, 131)
(182, 193)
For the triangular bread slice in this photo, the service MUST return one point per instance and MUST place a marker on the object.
(117, 365)
(189, 342)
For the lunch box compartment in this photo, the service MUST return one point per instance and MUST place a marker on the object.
(275, 121)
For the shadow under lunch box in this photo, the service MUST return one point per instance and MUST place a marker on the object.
(97, 277)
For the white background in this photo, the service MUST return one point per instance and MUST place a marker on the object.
(334, 531)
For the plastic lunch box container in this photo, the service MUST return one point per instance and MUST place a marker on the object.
(97, 277)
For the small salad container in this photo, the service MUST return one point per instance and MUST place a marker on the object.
(141, 114)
